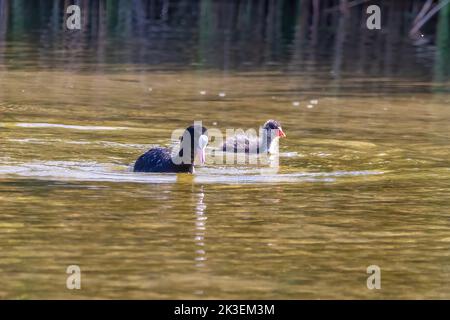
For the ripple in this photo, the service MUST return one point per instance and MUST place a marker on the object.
(288, 154)
(83, 142)
(251, 176)
(66, 126)
(82, 171)
(108, 172)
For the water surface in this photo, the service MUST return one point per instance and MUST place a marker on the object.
(364, 176)
(363, 180)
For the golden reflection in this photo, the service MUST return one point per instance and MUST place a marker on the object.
(200, 230)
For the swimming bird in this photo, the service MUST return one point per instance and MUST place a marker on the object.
(192, 147)
(269, 135)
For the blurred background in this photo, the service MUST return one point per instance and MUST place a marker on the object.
(228, 35)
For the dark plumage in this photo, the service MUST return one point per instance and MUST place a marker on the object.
(161, 159)
(270, 132)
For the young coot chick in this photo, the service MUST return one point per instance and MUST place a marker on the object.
(192, 146)
(269, 135)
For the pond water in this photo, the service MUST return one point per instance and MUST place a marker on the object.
(363, 179)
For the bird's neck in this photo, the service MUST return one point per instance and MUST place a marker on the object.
(267, 139)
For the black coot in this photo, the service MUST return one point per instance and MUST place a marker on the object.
(270, 133)
(192, 146)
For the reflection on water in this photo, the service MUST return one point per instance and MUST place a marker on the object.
(200, 230)
(92, 171)
(363, 180)
(227, 35)
(363, 174)
(55, 125)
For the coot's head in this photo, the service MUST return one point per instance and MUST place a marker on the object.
(274, 125)
(193, 144)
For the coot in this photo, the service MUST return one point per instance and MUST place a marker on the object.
(192, 146)
(270, 133)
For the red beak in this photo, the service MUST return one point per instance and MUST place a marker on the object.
(281, 133)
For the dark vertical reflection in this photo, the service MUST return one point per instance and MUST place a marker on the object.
(315, 22)
(4, 14)
(442, 63)
(300, 35)
(339, 45)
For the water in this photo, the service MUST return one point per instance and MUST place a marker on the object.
(363, 180)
